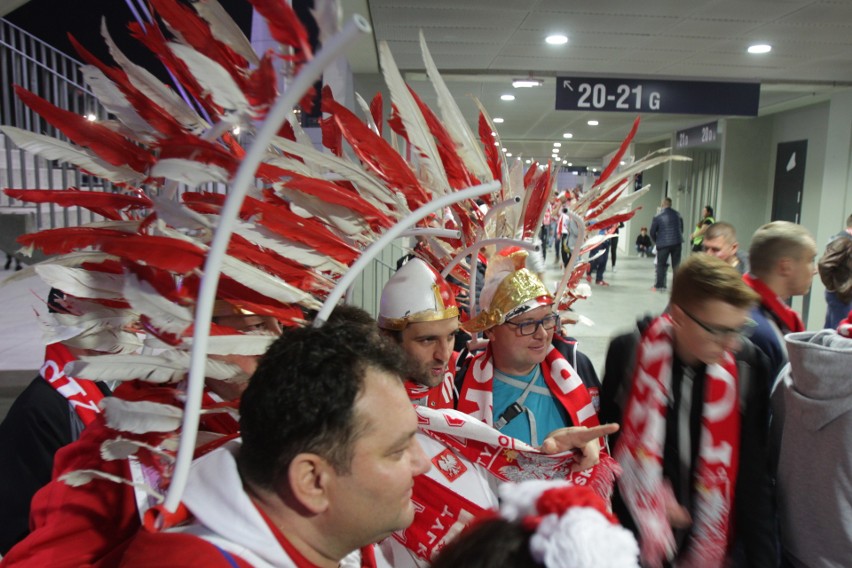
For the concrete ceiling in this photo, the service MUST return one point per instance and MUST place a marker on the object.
(481, 45)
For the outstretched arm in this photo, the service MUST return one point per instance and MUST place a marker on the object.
(584, 442)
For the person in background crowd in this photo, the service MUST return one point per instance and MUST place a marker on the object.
(643, 243)
(418, 311)
(781, 260)
(597, 265)
(835, 271)
(700, 228)
(613, 245)
(667, 234)
(720, 240)
(696, 485)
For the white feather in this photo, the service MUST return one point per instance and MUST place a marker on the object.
(267, 284)
(51, 331)
(164, 314)
(53, 149)
(328, 15)
(70, 259)
(189, 172)
(468, 147)
(82, 283)
(369, 187)
(106, 340)
(415, 125)
(114, 101)
(154, 89)
(179, 216)
(215, 80)
(168, 367)
(225, 29)
(80, 477)
(235, 344)
(365, 108)
(338, 216)
(122, 448)
(292, 250)
(140, 417)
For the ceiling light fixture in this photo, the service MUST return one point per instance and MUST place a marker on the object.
(567, 135)
(91, 117)
(503, 150)
(557, 144)
(508, 154)
(507, 97)
(527, 83)
(556, 39)
(593, 123)
(497, 120)
(529, 161)
(760, 48)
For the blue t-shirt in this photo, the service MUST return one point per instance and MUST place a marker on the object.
(548, 412)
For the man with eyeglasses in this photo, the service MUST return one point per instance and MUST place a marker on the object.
(696, 487)
(521, 384)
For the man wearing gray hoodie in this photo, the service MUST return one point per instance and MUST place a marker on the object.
(815, 468)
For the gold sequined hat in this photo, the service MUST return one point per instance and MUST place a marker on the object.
(509, 290)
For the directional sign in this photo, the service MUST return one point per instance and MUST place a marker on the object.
(674, 97)
(701, 135)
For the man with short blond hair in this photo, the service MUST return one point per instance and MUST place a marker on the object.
(782, 260)
(720, 240)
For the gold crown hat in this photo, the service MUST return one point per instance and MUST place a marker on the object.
(416, 293)
(510, 289)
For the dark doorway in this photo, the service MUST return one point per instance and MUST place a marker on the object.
(789, 181)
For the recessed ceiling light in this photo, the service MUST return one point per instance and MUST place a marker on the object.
(493, 134)
(564, 161)
(570, 163)
(557, 144)
(760, 48)
(556, 39)
(498, 120)
(503, 150)
(508, 154)
(567, 135)
(593, 123)
(527, 83)
(507, 97)
(529, 161)
(496, 143)
(621, 163)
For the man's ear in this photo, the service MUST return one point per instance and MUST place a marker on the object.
(309, 475)
(735, 247)
(784, 267)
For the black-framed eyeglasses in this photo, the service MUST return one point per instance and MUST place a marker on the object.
(723, 333)
(530, 327)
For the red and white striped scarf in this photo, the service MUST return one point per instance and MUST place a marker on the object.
(787, 318)
(477, 394)
(640, 454)
(83, 395)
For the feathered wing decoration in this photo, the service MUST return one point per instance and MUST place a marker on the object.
(168, 367)
(97, 201)
(467, 144)
(225, 30)
(216, 81)
(416, 129)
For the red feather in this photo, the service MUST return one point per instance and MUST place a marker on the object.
(284, 25)
(87, 199)
(68, 239)
(189, 147)
(109, 145)
(492, 152)
(531, 173)
(605, 201)
(332, 193)
(332, 138)
(376, 111)
(612, 221)
(396, 125)
(457, 173)
(379, 156)
(260, 88)
(616, 161)
(163, 253)
(275, 264)
(536, 202)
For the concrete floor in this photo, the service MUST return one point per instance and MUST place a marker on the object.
(611, 309)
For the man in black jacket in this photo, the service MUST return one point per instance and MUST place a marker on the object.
(694, 439)
(667, 234)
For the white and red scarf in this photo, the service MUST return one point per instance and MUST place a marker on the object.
(440, 509)
(477, 394)
(788, 319)
(438, 397)
(640, 454)
(83, 395)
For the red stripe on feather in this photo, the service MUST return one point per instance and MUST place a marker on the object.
(376, 111)
(68, 239)
(492, 152)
